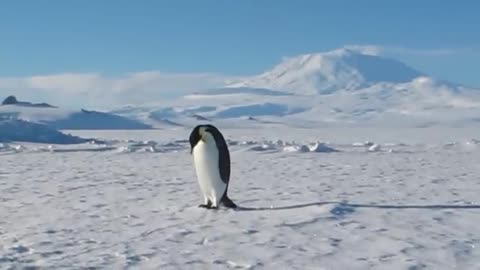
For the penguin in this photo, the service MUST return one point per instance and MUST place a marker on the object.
(211, 160)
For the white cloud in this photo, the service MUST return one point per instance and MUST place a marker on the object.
(365, 49)
(438, 52)
(385, 49)
(99, 91)
(95, 90)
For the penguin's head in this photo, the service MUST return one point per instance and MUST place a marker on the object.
(204, 133)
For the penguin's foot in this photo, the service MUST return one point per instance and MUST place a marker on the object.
(207, 204)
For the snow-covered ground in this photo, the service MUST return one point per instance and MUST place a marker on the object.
(373, 199)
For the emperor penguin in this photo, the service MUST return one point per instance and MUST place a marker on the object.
(211, 159)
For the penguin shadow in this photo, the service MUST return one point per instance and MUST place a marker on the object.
(287, 207)
(345, 207)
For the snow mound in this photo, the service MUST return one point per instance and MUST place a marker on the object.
(4, 146)
(321, 148)
(263, 147)
(315, 148)
(468, 145)
(374, 148)
(297, 148)
(364, 144)
(248, 143)
(150, 147)
(7, 148)
(285, 146)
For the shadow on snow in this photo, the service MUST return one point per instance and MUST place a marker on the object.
(352, 206)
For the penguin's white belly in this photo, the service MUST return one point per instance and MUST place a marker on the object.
(208, 173)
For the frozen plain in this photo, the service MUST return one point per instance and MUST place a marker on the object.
(411, 203)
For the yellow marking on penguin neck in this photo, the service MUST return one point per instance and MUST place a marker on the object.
(203, 134)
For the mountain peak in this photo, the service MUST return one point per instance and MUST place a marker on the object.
(12, 100)
(323, 73)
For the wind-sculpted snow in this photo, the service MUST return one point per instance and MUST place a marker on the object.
(96, 206)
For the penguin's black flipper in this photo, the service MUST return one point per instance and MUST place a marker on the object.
(228, 203)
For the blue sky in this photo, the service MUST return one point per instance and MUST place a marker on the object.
(230, 37)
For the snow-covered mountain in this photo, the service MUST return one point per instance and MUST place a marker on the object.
(343, 86)
(324, 73)
(58, 118)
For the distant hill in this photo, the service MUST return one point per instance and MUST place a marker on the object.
(66, 119)
(15, 130)
(12, 100)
